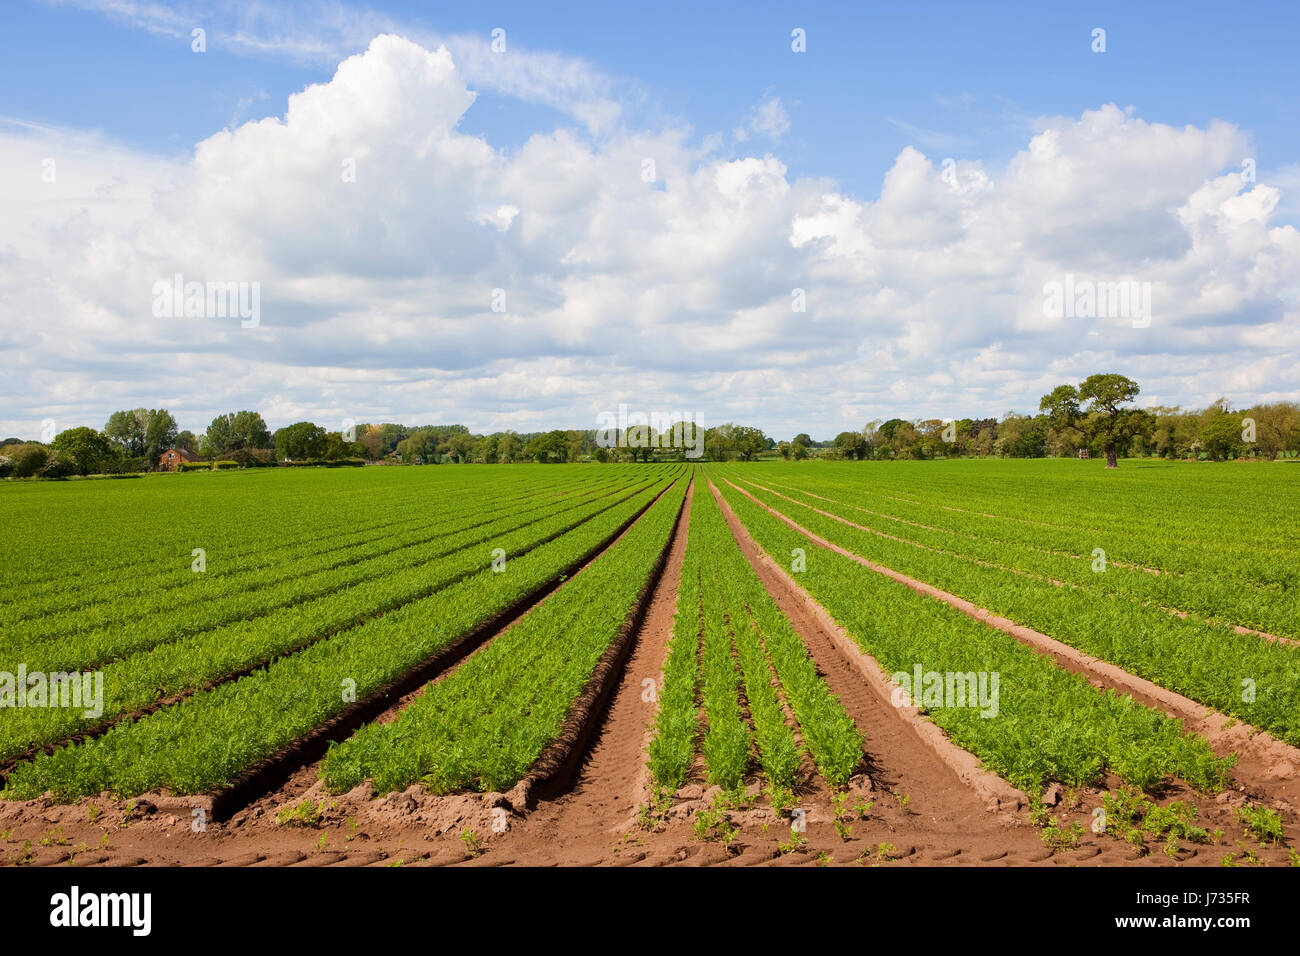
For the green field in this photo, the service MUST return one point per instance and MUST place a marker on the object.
(319, 591)
(1096, 559)
(230, 614)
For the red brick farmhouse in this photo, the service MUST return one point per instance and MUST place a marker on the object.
(171, 459)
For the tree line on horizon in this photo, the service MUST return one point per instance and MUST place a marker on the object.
(1096, 415)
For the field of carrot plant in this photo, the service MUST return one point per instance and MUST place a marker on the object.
(730, 642)
(450, 628)
(1184, 576)
(258, 607)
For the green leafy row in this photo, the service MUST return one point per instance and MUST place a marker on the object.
(1270, 607)
(723, 593)
(112, 533)
(1242, 675)
(1234, 521)
(485, 724)
(207, 739)
(124, 597)
(1049, 724)
(113, 530)
(98, 647)
(727, 739)
(677, 724)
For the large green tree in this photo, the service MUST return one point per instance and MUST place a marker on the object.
(1021, 436)
(299, 441)
(25, 459)
(509, 448)
(187, 441)
(1277, 427)
(1099, 410)
(142, 432)
(852, 445)
(548, 447)
(1221, 437)
(1111, 422)
(421, 444)
(390, 433)
(458, 447)
(1064, 416)
(159, 434)
(90, 451)
(750, 441)
(337, 447)
(727, 441)
(126, 428)
(235, 432)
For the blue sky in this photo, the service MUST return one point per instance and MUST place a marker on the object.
(961, 79)
(884, 94)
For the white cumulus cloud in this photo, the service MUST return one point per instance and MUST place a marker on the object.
(414, 272)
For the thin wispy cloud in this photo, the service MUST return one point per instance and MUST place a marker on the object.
(932, 139)
(323, 33)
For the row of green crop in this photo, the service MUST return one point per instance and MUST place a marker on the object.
(1049, 725)
(176, 667)
(677, 724)
(208, 739)
(151, 625)
(1242, 675)
(1237, 522)
(144, 528)
(827, 730)
(728, 738)
(110, 530)
(723, 598)
(488, 722)
(778, 754)
(1167, 521)
(264, 543)
(1272, 608)
(126, 596)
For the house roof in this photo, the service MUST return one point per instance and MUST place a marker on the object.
(185, 455)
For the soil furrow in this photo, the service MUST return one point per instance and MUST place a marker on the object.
(580, 826)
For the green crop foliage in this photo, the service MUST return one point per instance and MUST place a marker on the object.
(321, 587)
(1116, 615)
(188, 662)
(726, 618)
(208, 739)
(1050, 724)
(677, 723)
(487, 722)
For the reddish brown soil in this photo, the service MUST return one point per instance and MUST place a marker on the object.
(584, 826)
(921, 812)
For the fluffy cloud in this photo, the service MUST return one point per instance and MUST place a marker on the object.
(632, 265)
